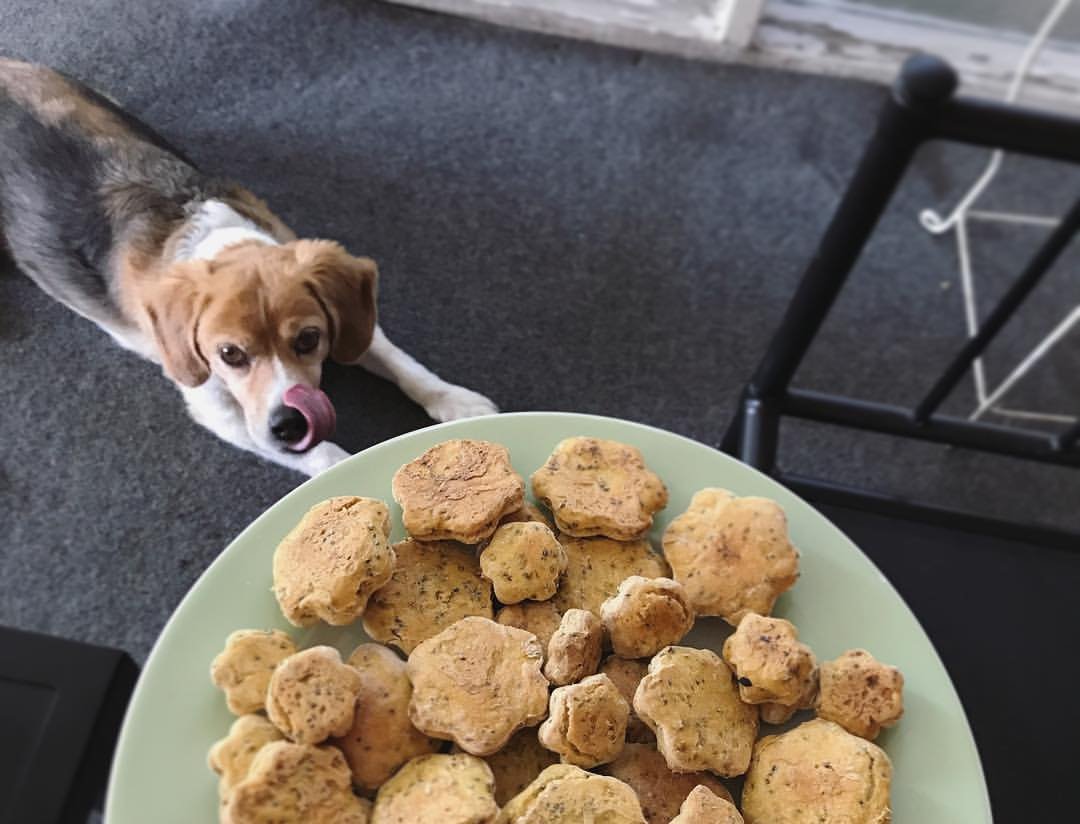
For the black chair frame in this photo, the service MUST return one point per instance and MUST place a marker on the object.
(920, 108)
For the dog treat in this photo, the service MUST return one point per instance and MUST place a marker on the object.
(231, 757)
(518, 763)
(312, 695)
(770, 663)
(587, 723)
(659, 723)
(529, 513)
(817, 772)
(860, 694)
(595, 487)
(433, 585)
(458, 491)
(626, 675)
(596, 566)
(519, 805)
(564, 794)
(575, 648)
(244, 667)
(773, 713)
(381, 738)
(523, 561)
(332, 561)
(645, 615)
(541, 618)
(296, 782)
(690, 701)
(659, 790)
(476, 683)
(776, 714)
(704, 807)
(441, 789)
(731, 554)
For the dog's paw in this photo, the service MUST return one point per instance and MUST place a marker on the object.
(454, 402)
(320, 458)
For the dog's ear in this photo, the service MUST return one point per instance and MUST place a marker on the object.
(345, 287)
(174, 307)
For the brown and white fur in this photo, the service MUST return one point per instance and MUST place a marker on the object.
(187, 270)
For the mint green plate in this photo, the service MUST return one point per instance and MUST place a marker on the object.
(841, 601)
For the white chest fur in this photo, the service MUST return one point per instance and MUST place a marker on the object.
(215, 226)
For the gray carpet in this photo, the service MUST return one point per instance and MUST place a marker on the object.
(560, 226)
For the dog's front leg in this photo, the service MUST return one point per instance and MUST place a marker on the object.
(441, 400)
(211, 407)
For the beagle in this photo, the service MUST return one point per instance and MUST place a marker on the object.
(192, 272)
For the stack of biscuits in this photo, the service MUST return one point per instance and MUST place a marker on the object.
(527, 663)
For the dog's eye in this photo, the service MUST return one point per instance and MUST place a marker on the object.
(232, 355)
(307, 341)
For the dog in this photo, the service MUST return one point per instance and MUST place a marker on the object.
(192, 272)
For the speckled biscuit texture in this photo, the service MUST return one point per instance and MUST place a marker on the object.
(817, 772)
(476, 683)
(242, 670)
(433, 585)
(690, 701)
(731, 554)
(458, 491)
(327, 567)
(598, 487)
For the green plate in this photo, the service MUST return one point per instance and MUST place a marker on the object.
(841, 601)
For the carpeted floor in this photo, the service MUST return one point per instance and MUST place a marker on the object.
(559, 225)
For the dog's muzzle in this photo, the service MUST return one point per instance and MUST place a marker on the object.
(306, 418)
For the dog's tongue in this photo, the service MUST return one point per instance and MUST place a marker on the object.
(317, 410)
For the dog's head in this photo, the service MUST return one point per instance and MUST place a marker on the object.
(262, 319)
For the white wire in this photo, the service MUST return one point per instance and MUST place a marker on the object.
(1024, 415)
(957, 219)
(1033, 357)
(930, 219)
(1013, 218)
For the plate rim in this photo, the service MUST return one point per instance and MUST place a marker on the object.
(137, 695)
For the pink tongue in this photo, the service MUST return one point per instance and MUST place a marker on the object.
(317, 410)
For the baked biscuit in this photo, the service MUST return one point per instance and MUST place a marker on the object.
(626, 675)
(690, 701)
(331, 562)
(732, 554)
(595, 487)
(659, 790)
(596, 566)
(773, 713)
(564, 794)
(523, 561)
(458, 491)
(587, 723)
(441, 789)
(541, 618)
(860, 694)
(645, 615)
(518, 763)
(381, 738)
(312, 695)
(231, 757)
(296, 782)
(477, 683)
(817, 772)
(703, 807)
(770, 663)
(433, 586)
(529, 513)
(575, 648)
(244, 667)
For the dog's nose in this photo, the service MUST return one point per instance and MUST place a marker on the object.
(287, 424)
